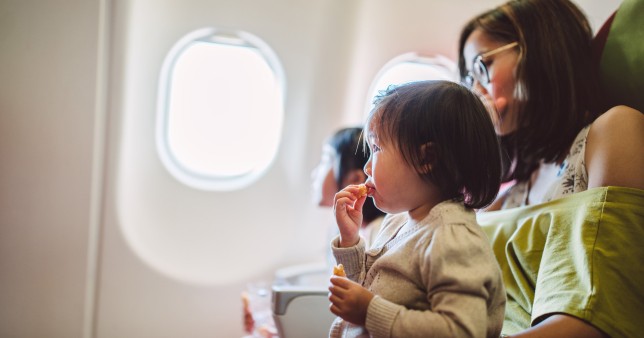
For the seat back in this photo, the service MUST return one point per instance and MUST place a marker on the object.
(300, 302)
(619, 54)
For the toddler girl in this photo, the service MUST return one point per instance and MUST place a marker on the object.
(430, 271)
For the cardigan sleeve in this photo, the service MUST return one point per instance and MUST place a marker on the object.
(352, 258)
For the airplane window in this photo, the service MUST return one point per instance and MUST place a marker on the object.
(220, 109)
(412, 67)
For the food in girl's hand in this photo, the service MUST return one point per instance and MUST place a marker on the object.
(362, 190)
(338, 270)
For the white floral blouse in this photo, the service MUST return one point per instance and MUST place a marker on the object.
(570, 178)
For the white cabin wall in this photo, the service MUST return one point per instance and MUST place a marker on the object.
(48, 69)
(175, 259)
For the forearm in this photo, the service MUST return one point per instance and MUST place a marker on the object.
(352, 258)
(454, 316)
(561, 325)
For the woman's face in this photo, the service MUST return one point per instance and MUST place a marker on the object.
(323, 181)
(500, 91)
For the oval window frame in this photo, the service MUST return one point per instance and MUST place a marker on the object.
(175, 167)
(438, 61)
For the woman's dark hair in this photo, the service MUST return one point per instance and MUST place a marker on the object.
(466, 164)
(351, 154)
(556, 91)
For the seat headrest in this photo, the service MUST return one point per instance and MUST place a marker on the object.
(619, 54)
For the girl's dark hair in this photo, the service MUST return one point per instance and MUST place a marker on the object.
(466, 164)
(556, 91)
(351, 154)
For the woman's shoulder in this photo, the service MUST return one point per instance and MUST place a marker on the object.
(616, 117)
(614, 146)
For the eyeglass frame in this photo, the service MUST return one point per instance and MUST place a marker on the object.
(483, 73)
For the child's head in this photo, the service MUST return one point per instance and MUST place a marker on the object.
(341, 164)
(443, 130)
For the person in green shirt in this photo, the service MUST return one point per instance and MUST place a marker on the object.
(561, 253)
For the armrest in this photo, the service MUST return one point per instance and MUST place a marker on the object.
(301, 311)
(283, 295)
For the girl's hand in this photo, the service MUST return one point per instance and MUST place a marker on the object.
(348, 214)
(349, 300)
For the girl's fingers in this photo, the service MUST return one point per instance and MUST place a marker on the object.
(352, 192)
(345, 194)
(339, 282)
(334, 309)
(359, 203)
(337, 291)
(334, 299)
(343, 201)
(355, 191)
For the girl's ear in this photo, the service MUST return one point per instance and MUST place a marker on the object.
(355, 176)
(428, 151)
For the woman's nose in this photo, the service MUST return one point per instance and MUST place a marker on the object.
(479, 87)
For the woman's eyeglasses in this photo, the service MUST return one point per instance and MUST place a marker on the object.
(479, 72)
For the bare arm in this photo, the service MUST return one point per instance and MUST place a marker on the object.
(560, 325)
(498, 202)
(615, 149)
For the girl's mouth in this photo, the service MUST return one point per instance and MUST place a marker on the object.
(370, 189)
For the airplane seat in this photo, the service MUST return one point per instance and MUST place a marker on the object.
(619, 59)
(300, 303)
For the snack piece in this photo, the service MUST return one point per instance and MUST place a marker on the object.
(363, 190)
(338, 270)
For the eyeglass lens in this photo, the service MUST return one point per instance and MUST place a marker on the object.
(479, 72)
(479, 69)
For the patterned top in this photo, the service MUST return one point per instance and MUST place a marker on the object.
(571, 177)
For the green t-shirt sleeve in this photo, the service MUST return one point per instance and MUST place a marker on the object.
(580, 255)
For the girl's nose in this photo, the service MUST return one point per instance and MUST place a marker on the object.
(367, 168)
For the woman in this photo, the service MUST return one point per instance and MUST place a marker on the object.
(531, 61)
